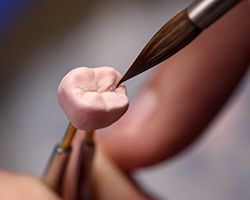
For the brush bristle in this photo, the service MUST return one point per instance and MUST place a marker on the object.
(172, 37)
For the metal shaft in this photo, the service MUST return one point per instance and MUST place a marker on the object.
(56, 166)
(204, 12)
(55, 169)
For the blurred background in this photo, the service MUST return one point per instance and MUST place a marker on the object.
(40, 41)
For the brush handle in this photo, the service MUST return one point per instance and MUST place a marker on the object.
(86, 157)
(54, 172)
(204, 12)
(56, 166)
(87, 151)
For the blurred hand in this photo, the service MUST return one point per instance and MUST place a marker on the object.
(171, 112)
(15, 186)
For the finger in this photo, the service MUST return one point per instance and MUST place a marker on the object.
(185, 94)
(16, 186)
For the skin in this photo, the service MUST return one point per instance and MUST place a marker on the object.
(182, 97)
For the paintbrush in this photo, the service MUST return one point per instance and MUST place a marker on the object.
(58, 161)
(177, 33)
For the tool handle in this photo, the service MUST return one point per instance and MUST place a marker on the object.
(204, 12)
(55, 169)
(87, 151)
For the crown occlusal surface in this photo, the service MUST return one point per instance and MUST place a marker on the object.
(90, 98)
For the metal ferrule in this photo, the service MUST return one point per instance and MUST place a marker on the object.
(205, 12)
